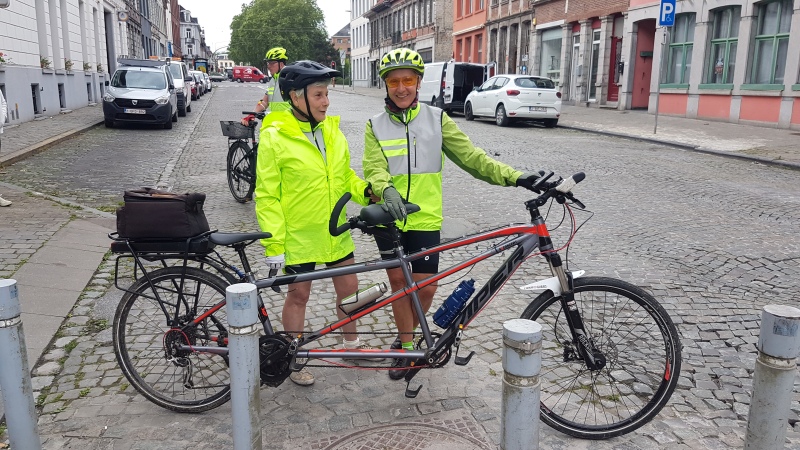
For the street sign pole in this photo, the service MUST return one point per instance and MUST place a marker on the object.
(666, 19)
(664, 49)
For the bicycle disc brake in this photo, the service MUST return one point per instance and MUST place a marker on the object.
(274, 359)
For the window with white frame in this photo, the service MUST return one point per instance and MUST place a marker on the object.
(680, 50)
(724, 41)
(771, 43)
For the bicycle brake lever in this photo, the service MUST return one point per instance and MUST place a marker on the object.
(272, 273)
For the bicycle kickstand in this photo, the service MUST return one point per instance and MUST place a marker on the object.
(412, 372)
(461, 360)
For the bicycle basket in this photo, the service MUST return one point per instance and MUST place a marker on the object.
(236, 130)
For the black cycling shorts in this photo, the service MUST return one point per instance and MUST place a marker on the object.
(413, 241)
(309, 267)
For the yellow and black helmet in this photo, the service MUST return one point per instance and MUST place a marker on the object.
(276, 54)
(401, 58)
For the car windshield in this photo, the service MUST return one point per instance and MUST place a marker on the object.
(175, 70)
(137, 79)
(532, 82)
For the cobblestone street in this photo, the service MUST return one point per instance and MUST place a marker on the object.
(713, 239)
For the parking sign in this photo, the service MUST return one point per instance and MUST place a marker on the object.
(666, 13)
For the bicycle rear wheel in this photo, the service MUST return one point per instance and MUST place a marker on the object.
(186, 382)
(642, 351)
(241, 171)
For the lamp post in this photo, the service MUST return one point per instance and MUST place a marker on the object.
(214, 57)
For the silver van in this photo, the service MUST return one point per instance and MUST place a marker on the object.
(181, 77)
(447, 84)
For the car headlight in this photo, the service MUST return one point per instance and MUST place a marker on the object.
(107, 97)
(162, 100)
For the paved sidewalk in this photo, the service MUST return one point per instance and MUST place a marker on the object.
(28, 138)
(760, 144)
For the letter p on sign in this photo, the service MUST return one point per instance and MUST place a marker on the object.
(666, 13)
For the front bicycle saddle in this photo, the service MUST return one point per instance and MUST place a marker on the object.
(374, 215)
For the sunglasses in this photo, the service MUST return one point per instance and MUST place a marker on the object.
(407, 81)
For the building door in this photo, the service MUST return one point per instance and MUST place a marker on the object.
(615, 65)
(595, 64)
(577, 68)
(643, 63)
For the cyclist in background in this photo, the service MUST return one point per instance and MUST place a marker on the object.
(272, 99)
(303, 163)
(407, 128)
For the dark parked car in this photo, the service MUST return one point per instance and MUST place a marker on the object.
(216, 76)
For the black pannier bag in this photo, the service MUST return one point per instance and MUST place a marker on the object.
(156, 214)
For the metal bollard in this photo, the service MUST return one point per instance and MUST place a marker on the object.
(15, 375)
(522, 361)
(241, 307)
(773, 380)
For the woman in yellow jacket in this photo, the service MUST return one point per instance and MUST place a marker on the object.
(302, 170)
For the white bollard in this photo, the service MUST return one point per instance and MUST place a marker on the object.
(773, 380)
(15, 375)
(522, 361)
(243, 326)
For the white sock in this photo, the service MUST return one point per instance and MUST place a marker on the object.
(351, 344)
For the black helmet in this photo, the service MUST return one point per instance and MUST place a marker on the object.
(299, 74)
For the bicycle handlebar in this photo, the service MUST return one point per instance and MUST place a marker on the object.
(337, 210)
(258, 115)
(561, 189)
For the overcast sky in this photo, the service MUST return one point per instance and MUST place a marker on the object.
(215, 17)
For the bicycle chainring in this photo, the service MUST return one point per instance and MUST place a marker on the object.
(444, 355)
(274, 360)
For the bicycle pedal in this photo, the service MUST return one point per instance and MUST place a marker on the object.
(463, 361)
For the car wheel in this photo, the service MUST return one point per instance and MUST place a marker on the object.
(468, 112)
(182, 111)
(550, 123)
(189, 108)
(109, 123)
(240, 80)
(168, 124)
(500, 116)
(175, 116)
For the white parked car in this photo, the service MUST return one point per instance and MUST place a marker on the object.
(509, 98)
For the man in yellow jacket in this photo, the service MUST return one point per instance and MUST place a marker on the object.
(302, 170)
(404, 153)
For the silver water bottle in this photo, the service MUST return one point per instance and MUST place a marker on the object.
(363, 297)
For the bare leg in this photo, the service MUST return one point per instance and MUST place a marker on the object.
(293, 316)
(405, 317)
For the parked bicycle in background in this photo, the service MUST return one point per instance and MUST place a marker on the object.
(242, 152)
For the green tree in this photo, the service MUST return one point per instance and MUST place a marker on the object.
(297, 25)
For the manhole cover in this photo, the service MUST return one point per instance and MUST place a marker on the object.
(410, 436)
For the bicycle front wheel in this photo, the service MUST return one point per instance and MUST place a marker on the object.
(241, 171)
(642, 351)
(187, 381)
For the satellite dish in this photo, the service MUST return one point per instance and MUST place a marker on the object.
(122, 16)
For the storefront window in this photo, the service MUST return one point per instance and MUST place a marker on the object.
(772, 42)
(550, 65)
(680, 50)
(724, 40)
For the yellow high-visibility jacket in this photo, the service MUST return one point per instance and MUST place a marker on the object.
(296, 189)
(407, 151)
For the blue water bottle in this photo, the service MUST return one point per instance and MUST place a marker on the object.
(449, 310)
